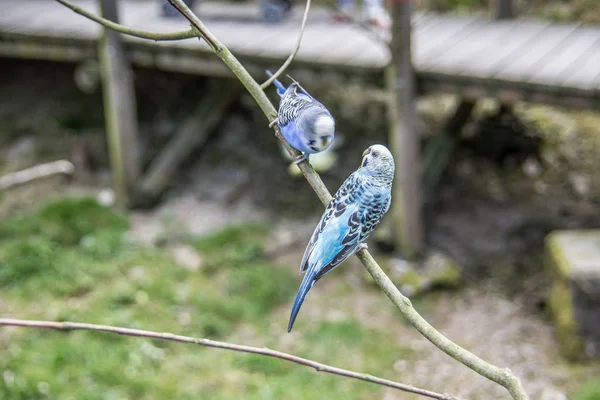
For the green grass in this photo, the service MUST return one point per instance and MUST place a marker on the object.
(70, 261)
(589, 391)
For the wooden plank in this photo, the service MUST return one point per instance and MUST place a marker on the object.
(137, 13)
(376, 55)
(488, 58)
(318, 44)
(505, 9)
(338, 51)
(533, 54)
(51, 19)
(403, 136)
(254, 38)
(467, 48)
(147, 15)
(12, 11)
(15, 17)
(442, 35)
(120, 110)
(274, 42)
(429, 21)
(567, 59)
(586, 75)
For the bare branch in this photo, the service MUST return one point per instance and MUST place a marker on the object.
(156, 36)
(501, 376)
(294, 52)
(66, 326)
(61, 167)
(257, 93)
(212, 41)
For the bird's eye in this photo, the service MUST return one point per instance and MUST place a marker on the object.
(375, 154)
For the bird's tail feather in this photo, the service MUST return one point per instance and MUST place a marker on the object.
(305, 286)
(277, 83)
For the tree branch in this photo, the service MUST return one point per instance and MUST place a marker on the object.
(156, 36)
(501, 376)
(37, 172)
(67, 326)
(257, 93)
(294, 52)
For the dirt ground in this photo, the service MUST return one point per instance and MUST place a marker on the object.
(497, 239)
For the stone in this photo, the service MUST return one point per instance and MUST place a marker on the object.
(187, 257)
(435, 271)
(574, 260)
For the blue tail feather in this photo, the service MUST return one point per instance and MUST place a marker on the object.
(277, 83)
(305, 286)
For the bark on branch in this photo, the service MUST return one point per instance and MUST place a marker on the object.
(61, 167)
(294, 52)
(502, 376)
(319, 367)
(156, 36)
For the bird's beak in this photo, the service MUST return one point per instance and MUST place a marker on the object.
(367, 151)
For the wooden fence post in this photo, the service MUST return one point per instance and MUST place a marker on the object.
(120, 112)
(505, 9)
(404, 141)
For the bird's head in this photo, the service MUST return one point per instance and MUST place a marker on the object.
(379, 162)
(324, 129)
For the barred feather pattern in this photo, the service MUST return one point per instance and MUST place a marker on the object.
(354, 212)
(294, 104)
(366, 206)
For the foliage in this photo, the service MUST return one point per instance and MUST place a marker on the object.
(233, 247)
(70, 261)
(451, 5)
(64, 222)
(57, 246)
(589, 391)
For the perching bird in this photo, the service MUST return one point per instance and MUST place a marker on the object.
(353, 213)
(306, 124)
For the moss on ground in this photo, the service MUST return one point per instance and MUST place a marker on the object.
(70, 260)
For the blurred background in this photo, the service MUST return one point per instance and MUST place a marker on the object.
(201, 230)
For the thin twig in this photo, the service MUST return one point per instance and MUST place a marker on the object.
(61, 167)
(212, 41)
(255, 91)
(156, 36)
(294, 52)
(319, 367)
(501, 376)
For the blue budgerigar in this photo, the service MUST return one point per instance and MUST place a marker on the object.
(353, 213)
(306, 124)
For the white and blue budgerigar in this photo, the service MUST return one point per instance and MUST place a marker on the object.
(306, 124)
(353, 213)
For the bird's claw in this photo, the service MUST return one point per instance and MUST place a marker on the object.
(272, 123)
(301, 158)
(362, 246)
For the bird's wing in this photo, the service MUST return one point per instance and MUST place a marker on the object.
(369, 208)
(337, 207)
(291, 106)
